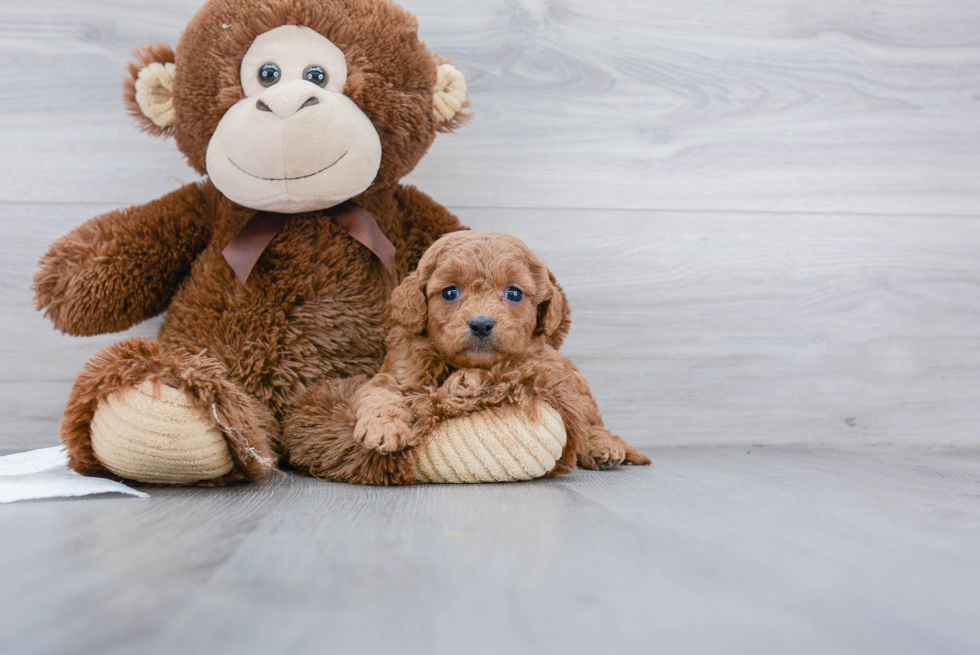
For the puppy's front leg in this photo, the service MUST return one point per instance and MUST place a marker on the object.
(383, 418)
(591, 444)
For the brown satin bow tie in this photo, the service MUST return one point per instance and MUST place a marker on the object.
(248, 245)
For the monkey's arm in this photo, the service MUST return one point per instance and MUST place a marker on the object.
(121, 268)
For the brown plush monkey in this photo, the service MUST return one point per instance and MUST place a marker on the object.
(276, 269)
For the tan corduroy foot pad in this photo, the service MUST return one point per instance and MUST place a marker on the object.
(491, 446)
(160, 438)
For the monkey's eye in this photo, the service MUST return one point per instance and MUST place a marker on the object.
(450, 294)
(514, 294)
(269, 74)
(315, 74)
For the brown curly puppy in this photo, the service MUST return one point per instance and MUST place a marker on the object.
(478, 324)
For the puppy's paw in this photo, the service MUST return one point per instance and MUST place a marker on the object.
(465, 384)
(385, 435)
(383, 424)
(605, 451)
(601, 455)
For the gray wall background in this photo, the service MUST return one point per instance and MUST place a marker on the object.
(765, 213)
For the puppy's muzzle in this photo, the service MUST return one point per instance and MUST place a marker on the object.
(482, 327)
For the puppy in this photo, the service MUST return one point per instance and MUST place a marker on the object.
(477, 324)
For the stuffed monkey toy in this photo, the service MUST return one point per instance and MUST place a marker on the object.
(275, 270)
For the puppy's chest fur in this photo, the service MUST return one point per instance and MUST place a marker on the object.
(314, 307)
(493, 385)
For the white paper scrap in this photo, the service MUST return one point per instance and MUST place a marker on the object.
(44, 473)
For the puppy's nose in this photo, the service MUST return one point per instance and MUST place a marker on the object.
(482, 326)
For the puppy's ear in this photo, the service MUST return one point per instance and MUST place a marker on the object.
(554, 314)
(409, 305)
(148, 89)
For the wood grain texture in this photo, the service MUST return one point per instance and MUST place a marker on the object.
(767, 105)
(691, 327)
(780, 324)
(765, 550)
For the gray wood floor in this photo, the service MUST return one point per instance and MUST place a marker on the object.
(767, 549)
(766, 214)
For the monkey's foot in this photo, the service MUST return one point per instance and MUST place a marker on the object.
(154, 433)
(498, 444)
(141, 412)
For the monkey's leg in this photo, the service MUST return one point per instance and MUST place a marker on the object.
(140, 412)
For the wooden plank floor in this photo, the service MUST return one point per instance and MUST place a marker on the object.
(713, 549)
(766, 215)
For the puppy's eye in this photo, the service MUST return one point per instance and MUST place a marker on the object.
(269, 74)
(450, 294)
(514, 294)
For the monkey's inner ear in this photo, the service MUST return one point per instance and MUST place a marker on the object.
(450, 98)
(155, 93)
(149, 89)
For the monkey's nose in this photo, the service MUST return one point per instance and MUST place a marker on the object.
(482, 326)
(288, 100)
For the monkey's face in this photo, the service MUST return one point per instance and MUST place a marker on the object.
(297, 105)
(295, 142)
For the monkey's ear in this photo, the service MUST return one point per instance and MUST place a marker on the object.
(449, 98)
(148, 89)
(554, 314)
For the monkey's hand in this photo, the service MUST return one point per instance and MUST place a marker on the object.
(121, 268)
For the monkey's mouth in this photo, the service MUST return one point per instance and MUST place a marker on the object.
(281, 179)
